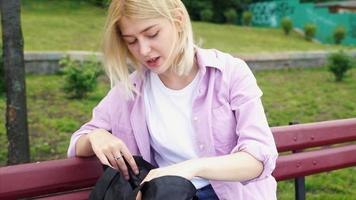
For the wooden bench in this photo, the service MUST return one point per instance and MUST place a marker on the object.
(73, 178)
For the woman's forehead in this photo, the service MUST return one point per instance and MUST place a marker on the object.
(132, 26)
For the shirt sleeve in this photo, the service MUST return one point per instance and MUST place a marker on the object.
(100, 119)
(254, 135)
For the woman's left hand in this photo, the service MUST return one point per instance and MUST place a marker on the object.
(184, 169)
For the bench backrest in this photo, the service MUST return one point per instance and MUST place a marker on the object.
(50, 177)
(73, 178)
(334, 139)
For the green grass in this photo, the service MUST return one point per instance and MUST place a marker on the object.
(306, 95)
(61, 25)
(76, 25)
(52, 117)
(238, 39)
(303, 95)
(311, 95)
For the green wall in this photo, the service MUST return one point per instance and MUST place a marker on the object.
(270, 13)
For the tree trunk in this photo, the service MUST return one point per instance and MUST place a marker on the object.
(13, 57)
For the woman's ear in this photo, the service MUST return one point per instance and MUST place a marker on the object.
(179, 19)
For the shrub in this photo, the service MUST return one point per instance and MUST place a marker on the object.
(309, 31)
(287, 25)
(80, 76)
(339, 34)
(247, 18)
(339, 63)
(2, 75)
(101, 3)
(206, 15)
(230, 16)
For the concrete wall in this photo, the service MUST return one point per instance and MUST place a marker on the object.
(47, 62)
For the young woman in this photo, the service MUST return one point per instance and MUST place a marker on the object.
(193, 112)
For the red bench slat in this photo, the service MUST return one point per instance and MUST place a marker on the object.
(48, 177)
(312, 162)
(81, 195)
(302, 136)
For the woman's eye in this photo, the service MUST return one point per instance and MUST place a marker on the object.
(153, 35)
(131, 42)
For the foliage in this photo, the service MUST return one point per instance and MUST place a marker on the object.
(230, 16)
(287, 25)
(100, 3)
(247, 18)
(218, 7)
(196, 7)
(80, 76)
(206, 15)
(339, 63)
(339, 34)
(2, 75)
(309, 31)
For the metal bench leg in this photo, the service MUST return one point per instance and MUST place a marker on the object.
(299, 187)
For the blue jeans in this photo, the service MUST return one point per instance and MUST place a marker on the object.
(206, 193)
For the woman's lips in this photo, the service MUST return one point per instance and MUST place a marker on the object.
(154, 62)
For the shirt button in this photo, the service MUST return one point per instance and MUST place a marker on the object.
(195, 118)
(201, 147)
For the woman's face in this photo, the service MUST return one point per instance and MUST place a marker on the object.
(149, 41)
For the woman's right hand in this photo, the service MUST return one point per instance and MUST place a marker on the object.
(111, 150)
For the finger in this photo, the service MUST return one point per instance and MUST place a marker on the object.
(103, 159)
(120, 163)
(139, 195)
(129, 158)
(123, 168)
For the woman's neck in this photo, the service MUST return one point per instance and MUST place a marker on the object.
(175, 82)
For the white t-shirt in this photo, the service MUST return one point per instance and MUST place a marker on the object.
(169, 120)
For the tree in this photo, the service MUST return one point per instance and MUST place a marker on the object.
(13, 58)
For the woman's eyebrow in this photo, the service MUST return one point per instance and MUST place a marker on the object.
(144, 30)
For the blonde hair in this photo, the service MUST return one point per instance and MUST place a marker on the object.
(115, 51)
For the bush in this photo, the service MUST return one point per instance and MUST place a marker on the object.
(339, 34)
(80, 77)
(247, 18)
(2, 75)
(230, 16)
(206, 15)
(101, 3)
(196, 7)
(309, 31)
(287, 25)
(339, 63)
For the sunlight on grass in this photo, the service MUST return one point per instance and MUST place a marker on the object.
(77, 25)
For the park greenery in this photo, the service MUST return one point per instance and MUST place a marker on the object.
(290, 95)
(287, 25)
(309, 31)
(339, 34)
(80, 76)
(339, 63)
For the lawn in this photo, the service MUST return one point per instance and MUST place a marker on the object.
(302, 95)
(77, 25)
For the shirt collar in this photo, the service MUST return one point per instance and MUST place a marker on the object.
(207, 58)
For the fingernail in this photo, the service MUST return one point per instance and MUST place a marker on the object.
(136, 172)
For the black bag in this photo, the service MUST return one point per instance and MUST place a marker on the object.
(113, 186)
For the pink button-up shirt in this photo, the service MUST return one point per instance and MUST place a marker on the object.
(228, 116)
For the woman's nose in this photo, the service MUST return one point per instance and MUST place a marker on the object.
(145, 48)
